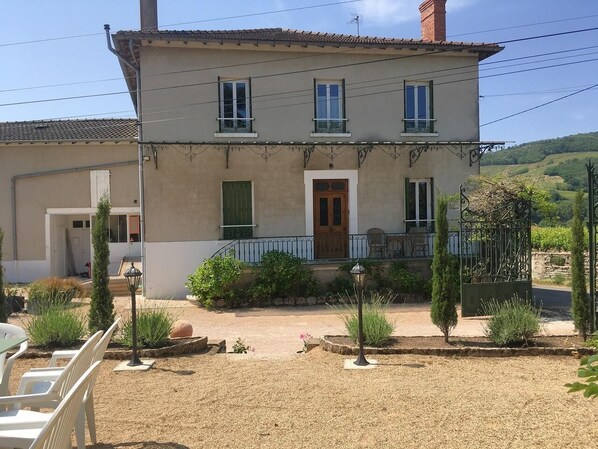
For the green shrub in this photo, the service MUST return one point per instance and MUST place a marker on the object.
(558, 260)
(56, 327)
(559, 279)
(281, 275)
(53, 291)
(340, 284)
(513, 321)
(377, 329)
(589, 373)
(153, 329)
(374, 270)
(406, 281)
(214, 279)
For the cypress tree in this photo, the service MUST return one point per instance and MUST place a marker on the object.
(445, 287)
(101, 311)
(3, 314)
(580, 304)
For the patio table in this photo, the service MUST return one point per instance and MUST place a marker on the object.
(6, 344)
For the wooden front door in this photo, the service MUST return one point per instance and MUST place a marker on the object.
(331, 218)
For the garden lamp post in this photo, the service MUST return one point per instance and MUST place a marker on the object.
(133, 277)
(358, 273)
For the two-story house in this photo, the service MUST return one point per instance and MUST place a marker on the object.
(281, 139)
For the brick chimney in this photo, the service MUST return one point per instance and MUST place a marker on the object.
(148, 13)
(433, 20)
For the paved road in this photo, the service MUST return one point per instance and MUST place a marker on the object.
(552, 298)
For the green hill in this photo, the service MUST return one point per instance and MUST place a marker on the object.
(556, 165)
(537, 151)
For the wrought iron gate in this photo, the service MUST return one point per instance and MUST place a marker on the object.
(495, 252)
(592, 231)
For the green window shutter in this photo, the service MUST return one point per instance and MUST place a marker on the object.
(407, 199)
(237, 210)
(432, 204)
(315, 105)
(431, 93)
(249, 105)
(220, 111)
(405, 116)
(344, 122)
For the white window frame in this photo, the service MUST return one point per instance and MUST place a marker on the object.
(222, 119)
(326, 116)
(417, 221)
(413, 125)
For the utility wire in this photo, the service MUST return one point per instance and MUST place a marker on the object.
(77, 97)
(240, 16)
(540, 105)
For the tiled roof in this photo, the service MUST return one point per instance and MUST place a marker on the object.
(290, 37)
(84, 130)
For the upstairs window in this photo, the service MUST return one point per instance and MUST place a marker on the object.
(419, 117)
(235, 106)
(330, 106)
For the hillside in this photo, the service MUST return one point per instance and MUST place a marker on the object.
(556, 165)
(532, 152)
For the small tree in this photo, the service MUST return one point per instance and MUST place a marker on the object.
(101, 311)
(445, 290)
(3, 315)
(580, 305)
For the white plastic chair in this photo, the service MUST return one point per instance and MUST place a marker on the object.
(29, 396)
(98, 355)
(56, 428)
(9, 331)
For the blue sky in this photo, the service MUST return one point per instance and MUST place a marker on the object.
(85, 65)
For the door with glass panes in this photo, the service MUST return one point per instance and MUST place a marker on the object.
(331, 218)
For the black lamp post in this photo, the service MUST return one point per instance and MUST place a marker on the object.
(358, 273)
(133, 277)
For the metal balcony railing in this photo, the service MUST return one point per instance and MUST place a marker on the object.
(396, 246)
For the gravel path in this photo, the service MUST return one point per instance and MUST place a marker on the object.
(310, 401)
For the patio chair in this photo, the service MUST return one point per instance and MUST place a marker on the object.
(418, 237)
(98, 355)
(39, 430)
(29, 394)
(376, 242)
(6, 364)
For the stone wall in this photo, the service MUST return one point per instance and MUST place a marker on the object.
(548, 265)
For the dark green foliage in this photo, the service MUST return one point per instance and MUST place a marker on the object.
(56, 327)
(405, 281)
(340, 284)
(214, 279)
(532, 152)
(375, 276)
(377, 329)
(3, 314)
(445, 281)
(282, 275)
(589, 373)
(580, 303)
(554, 238)
(153, 329)
(53, 291)
(101, 311)
(513, 321)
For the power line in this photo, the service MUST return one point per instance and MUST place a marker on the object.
(240, 16)
(524, 25)
(540, 105)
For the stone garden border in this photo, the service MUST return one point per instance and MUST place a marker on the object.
(337, 348)
(183, 346)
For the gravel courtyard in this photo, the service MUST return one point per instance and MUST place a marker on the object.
(310, 401)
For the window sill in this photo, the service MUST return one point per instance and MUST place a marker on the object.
(241, 135)
(419, 134)
(329, 134)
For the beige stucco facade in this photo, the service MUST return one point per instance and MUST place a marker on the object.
(183, 193)
(52, 187)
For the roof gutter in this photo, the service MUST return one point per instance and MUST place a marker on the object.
(137, 69)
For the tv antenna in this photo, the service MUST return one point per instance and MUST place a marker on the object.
(355, 19)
